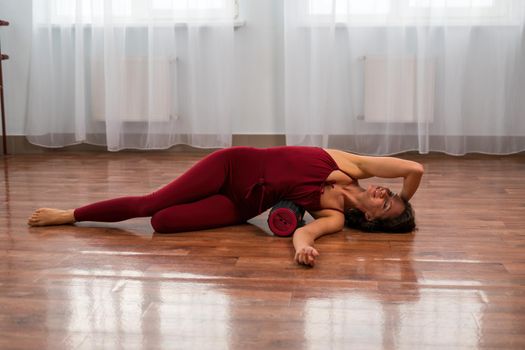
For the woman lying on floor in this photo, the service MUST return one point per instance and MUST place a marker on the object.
(233, 185)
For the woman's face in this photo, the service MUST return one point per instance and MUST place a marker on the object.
(381, 203)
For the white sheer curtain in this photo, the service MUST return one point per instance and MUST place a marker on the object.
(144, 74)
(386, 76)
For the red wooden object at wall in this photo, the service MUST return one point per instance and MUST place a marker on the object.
(3, 57)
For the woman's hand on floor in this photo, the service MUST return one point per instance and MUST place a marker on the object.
(326, 221)
(306, 255)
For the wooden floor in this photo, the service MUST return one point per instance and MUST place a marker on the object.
(456, 283)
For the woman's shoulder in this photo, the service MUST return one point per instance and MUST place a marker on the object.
(348, 163)
(344, 155)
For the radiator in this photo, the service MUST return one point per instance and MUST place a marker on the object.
(398, 89)
(130, 100)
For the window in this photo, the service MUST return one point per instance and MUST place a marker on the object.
(142, 11)
(452, 4)
(385, 12)
(349, 8)
(477, 10)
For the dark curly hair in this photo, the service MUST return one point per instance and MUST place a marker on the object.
(403, 223)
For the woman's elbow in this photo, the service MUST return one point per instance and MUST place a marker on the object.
(336, 226)
(419, 169)
(340, 225)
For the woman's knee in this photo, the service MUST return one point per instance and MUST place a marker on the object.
(162, 224)
(214, 211)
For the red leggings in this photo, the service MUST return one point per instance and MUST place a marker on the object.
(193, 201)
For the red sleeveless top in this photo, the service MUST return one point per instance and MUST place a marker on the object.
(259, 178)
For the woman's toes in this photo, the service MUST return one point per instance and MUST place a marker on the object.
(34, 218)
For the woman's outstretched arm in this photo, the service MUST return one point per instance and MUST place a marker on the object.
(326, 221)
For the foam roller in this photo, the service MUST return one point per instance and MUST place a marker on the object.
(284, 218)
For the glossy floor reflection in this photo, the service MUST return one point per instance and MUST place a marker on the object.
(457, 283)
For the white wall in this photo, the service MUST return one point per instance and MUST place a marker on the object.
(259, 65)
(16, 42)
(260, 58)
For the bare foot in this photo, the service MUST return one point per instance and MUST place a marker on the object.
(48, 216)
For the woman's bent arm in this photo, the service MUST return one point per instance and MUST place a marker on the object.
(390, 167)
(327, 221)
(411, 183)
(362, 167)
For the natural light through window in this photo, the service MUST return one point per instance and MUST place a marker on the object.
(451, 3)
(188, 4)
(344, 7)
(405, 11)
(139, 11)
